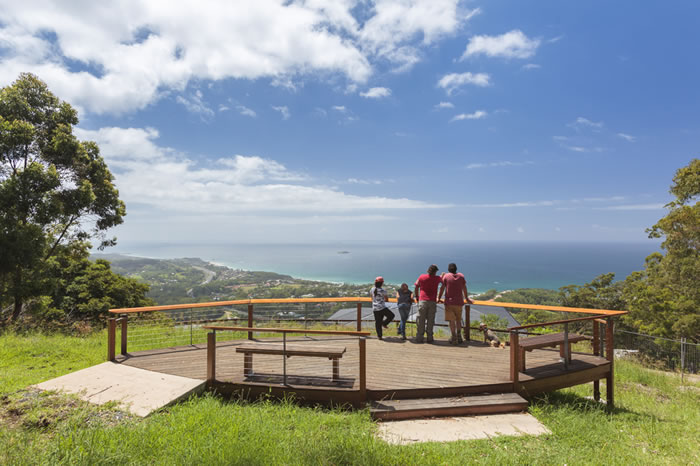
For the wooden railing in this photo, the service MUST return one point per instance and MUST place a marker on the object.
(125, 312)
(600, 346)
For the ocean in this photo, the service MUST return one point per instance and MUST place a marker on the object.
(503, 265)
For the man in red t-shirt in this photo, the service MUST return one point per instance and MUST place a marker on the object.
(454, 285)
(426, 289)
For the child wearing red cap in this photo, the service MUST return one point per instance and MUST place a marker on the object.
(382, 315)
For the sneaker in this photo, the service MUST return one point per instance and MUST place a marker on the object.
(459, 339)
(453, 340)
(429, 340)
(403, 337)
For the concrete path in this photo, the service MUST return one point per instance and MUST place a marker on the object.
(139, 391)
(450, 429)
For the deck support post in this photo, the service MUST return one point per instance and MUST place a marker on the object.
(359, 317)
(111, 338)
(211, 356)
(514, 363)
(250, 320)
(125, 324)
(610, 354)
(363, 370)
(596, 352)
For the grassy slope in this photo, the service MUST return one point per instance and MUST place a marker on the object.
(657, 421)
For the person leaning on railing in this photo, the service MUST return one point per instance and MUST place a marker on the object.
(382, 315)
(426, 290)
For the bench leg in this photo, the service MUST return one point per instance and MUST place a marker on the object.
(522, 359)
(247, 364)
(336, 369)
(562, 353)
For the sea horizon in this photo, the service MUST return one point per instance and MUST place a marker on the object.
(501, 265)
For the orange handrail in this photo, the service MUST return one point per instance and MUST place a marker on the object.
(353, 299)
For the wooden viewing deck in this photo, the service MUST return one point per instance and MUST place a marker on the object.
(436, 377)
(395, 369)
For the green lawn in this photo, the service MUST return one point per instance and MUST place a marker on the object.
(657, 421)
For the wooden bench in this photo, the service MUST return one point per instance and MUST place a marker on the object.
(550, 340)
(249, 349)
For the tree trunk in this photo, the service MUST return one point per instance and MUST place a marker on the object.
(18, 296)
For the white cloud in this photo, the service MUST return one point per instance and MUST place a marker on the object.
(245, 111)
(339, 108)
(170, 182)
(627, 137)
(376, 93)
(656, 206)
(557, 229)
(520, 230)
(477, 115)
(513, 44)
(122, 55)
(195, 104)
(363, 181)
(531, 66)
(505, 163)
(586, 123)
(576, 148)
(453, 81)
(442, 230)
(442, 105)
(284, 111)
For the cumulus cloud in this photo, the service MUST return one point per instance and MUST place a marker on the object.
(122, 55)
(477, 115)
(453, 81)
(168, 181)
(513, 44)
(531, 66)
(376, 93)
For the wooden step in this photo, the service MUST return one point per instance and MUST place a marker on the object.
(453, 406)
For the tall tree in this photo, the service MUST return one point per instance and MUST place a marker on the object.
(54, 189)
(664, 298)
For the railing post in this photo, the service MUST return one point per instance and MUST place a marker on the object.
(363, 370)
(211, 356)
(250, 320)
(467, 322)
(514, 363)
(111, 338)
(610, 354)
(359, 317)
(567, 350)
(284, 358)
(191, 327)
(125, 324)
(596, 352)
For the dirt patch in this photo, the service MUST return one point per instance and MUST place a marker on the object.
(36, 409)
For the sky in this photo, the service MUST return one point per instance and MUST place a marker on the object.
(309, 120)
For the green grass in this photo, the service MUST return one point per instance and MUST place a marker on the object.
(656, 421)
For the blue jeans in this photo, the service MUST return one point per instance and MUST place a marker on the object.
(404, 311)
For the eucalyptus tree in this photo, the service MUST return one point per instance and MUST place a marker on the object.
(54, 189)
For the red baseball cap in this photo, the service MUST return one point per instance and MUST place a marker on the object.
(379, 279)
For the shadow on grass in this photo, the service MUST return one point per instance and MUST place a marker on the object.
(571, 401)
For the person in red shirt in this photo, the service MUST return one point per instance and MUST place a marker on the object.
(454, 286)
(426, 289)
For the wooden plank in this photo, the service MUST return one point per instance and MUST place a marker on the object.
(514, 359)
(250, 321)
(610, 354)
(211, 357)
(411, 409)
(111, 337)
(363, 369)
(551, 339)
(125, 323)
(292, 350)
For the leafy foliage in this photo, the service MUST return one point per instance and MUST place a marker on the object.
(664, 298)
(54, 189)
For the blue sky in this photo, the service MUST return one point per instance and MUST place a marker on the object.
(364, 120)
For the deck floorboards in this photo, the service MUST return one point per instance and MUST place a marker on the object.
(392, 364)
